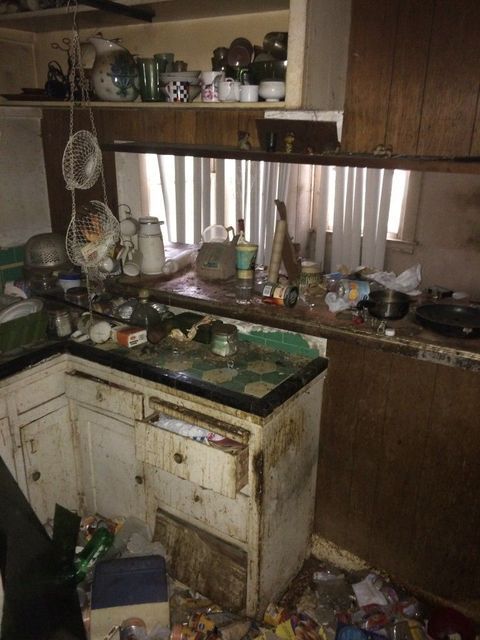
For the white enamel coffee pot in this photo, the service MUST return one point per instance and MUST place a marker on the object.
(150, 245)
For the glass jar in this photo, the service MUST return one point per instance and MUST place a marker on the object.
(59, 322)
(224, 339)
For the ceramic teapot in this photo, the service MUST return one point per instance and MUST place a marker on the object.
(114, 75)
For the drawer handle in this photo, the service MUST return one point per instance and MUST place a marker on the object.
(99, 396)
(139, 479)
(36, 476)
(178, 458)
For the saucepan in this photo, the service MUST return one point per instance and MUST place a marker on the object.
(453, 320)
(386, 304)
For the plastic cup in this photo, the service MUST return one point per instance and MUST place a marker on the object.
(245, 256)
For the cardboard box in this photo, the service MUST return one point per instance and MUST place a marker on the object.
(128, 336)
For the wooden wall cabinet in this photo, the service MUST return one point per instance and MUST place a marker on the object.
(412, 79)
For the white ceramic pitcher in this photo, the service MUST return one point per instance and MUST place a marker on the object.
(114, 75)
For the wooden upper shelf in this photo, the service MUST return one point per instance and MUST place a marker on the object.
(409, 163)
(161, 11)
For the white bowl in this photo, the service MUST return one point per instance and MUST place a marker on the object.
(272, 90)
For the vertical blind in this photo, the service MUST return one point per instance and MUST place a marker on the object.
(352, 203)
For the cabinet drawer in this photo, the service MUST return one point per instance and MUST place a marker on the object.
(104, 395)
(38, 391)
(226, 516)
(224, 471)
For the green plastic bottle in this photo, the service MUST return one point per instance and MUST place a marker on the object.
(101, 540)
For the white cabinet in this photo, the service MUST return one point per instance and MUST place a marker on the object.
(36, 436)
(6, 439)
(110, 475)
(50, 466)
(250, 510)
(236, 520)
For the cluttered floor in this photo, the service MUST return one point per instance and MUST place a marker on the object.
(322, 602)
(101, 579)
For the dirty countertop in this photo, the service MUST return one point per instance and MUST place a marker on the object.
(188, 291)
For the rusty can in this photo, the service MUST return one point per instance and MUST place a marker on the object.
(286, 296)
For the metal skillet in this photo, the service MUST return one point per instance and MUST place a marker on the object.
(456, 321)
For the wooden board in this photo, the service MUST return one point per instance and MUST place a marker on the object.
(369, 74)
(205, 563)
(398, 467)
(452, 89)
(408, 77)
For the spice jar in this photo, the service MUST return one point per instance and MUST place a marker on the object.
(224, 339)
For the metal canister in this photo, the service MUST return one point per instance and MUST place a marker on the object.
(285, 295)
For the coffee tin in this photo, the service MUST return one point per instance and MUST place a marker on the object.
(285, 295)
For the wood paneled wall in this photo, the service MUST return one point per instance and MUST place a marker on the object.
(399, 467)
(412, 79)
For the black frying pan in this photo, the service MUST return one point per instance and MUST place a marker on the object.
(456, 321)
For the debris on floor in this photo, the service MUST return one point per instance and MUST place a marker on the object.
(322, 602)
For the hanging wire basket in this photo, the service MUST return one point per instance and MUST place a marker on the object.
(92, 233)
(82, 161)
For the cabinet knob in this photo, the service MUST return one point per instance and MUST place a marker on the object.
(36, 476)
(139, 479)
(178, 458)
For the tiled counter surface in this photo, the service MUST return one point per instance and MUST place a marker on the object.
(219, 298)
(270, 365)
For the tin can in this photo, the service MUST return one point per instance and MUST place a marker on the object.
(310, 275)
(352, 291)
(286, 296)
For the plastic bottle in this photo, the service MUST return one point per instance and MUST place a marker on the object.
(101, 540)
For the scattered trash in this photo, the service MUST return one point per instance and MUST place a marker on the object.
(323, 603)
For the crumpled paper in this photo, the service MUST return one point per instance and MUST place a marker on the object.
(406, 282)
(367, 591)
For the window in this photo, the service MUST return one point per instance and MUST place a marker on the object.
(361, 207)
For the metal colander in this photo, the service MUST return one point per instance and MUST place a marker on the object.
(45, 252)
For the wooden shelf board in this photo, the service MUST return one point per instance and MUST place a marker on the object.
(410, 163)
(164, 11)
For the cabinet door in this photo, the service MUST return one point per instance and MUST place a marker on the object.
(6, 446)
(112, 477)
(48, 453)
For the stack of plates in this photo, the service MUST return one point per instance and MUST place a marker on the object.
(182, 76)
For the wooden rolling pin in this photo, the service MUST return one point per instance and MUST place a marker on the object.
(292, 264)
(277, 249)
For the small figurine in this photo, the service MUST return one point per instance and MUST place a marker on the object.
(289, 140)
(243, 140)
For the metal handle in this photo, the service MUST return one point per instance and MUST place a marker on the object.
(139, 479)
(178, 458)
(99, 396)
(36, 476)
